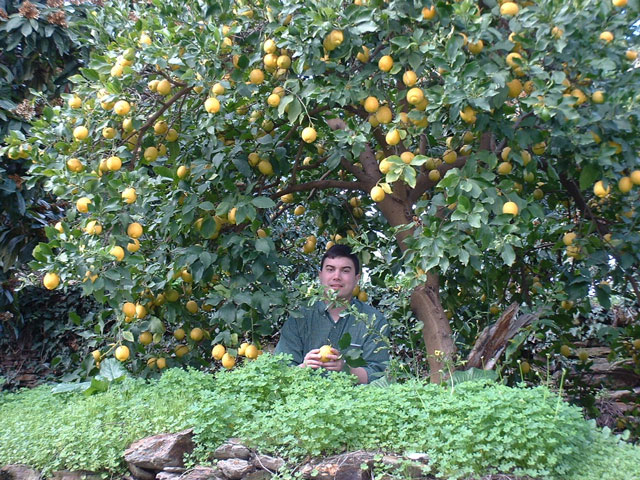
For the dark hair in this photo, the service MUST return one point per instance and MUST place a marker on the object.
(338, 251)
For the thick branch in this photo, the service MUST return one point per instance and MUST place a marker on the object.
(320, 185)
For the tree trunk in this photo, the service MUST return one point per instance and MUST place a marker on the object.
(425, 298)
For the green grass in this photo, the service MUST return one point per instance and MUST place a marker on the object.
(476, 429)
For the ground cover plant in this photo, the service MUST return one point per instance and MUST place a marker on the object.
(471, 428)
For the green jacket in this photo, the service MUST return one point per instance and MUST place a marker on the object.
(315, 327)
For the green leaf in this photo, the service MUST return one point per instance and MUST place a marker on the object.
(263, 245)
(508, 255)
(112, 369)
(263, 202)
(128, 336)
(588, 176)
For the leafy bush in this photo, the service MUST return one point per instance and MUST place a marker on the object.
(474, 428)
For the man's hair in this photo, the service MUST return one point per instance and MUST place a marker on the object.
(338, 251)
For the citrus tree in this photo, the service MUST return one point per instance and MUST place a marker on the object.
(210, 153)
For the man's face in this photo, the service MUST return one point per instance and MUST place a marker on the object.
(340, 275)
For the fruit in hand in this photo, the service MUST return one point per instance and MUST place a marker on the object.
(325, 351)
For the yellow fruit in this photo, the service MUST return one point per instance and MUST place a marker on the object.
(144, 39)
(299, 210)
(179, 334)
(324, 353)
(164, 87)
(631, 55)
(333, 40)
(415, 96)
(409, 78)
(269, 46)
(93, 228)
(51, 281)
(181, 350)
(251, 352)
(468, 115)
(428, 13)
(273, 100)
(265, 167)
(75, 165)
(96, 355)
(121, 107)
(573, 251)
(635, 177)
(377, 194)
(75, 102)
(261, 233)
(525, 367)
(197, 334)
(122, 353)
(309, 134)
(539, 148)
(568, 238)
(384, 115)
(513, 58)
(566, 304)
(526, 157)
(606, 36)
(509, 9)
(256, 76)
(515, 88)
(145, 338)
(134, 230)
(565, 350)
(58, 226)
(363, 296)
(385, 63)
(129, 309)
(231, 216)
(83, 204)
(182, 171)
(117, 70)
(393, 137)
(150, 154)
(80, 133)
(117, 252)
(363, 56)
(186, 276)
(228, 361)
(284, 62)
(134, 246)
(434, 175)
(129, 195)
(218, 352)
(218, 89)
(625, 184)
(212, 105)
(371, 104)
(583, 356)
(192, 307)
(505, 168)
(406, 157)
(161, 127)
(599, 190)
(597, 96)
(161, 363)
(510, 208)
(114, 164)
(476, 47)
(450, 156)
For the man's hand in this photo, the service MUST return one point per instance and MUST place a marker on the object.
(335, 361)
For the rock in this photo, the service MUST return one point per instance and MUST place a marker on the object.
(76, 475)
(273, 464)
(408, 468)
(233, 448)
(341, 467)
(203, 473)
(235, 468)
(258, 475)
(19, 472)
(140, 473)
(418, 457)
(160, 451)
(168, 476)
(174, 469)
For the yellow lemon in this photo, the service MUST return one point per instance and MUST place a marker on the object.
(509, 9)
(309, 134)
(114, 163)
(409, 78)
(606, 37)
(415, 96)
(599, 190)
(251, 352)
(428, 13)
(393, 137)
(212, 105)
(83, 204)
(145, 338)
(134, 230)
(256, 76)
(129, 195)
(385, 63)
(384, 115)
(117, 252)
(121, 107)
(377, 194)
(371, 104)
(218, 351)
(51, 281)
(122, 353)
(324, 353)
(75, 165)
(197, 334)
(228, 361)
(510, 208)
(80, 133)
(192, 307)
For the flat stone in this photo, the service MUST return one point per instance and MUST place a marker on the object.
(76, 475)
(174, 469)
(160, 451)
(19, 472)
(418, 457)
(347, 466)
(235, 468)
(168, 476)
(273, 464)
(232, 448)
(203, 473)
(258, 475)
(140, 473)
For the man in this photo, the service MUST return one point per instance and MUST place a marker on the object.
(326, 322)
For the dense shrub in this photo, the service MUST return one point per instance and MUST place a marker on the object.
(473, 428)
